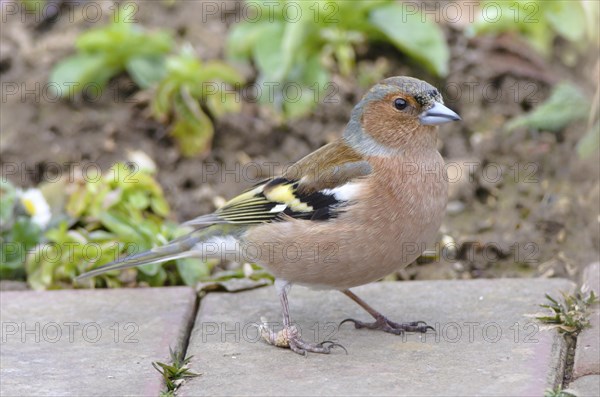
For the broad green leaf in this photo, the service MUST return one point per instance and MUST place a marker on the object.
(315, 75)
(11, 266)
(271, 92)
(101, 235)
(193, 135)
(128, 225)
(148, 230)
(121, 42)
(540, 37)
(106, 51)
(302, 105)
(219, 104)
(193, 129)
(156, 43)
(294, 35)
(40, 268)
(150, 269)
(101, 39)
(14, 245)
(345, 57)
(119, 225)
(268, 53)
(73, 74)
(159, 205)
(219, 71)
(59, 233)
(34, 6)
(353, 15)
(146, 71)
(422, 40)
(162, 99)
(566, 18)
(153, 279)
(305, 88)
(565, 105)
(138, 199)
(26, 232)
(192, 270)
(183, 68)
(242, 39)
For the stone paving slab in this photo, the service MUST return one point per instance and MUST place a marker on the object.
(485, 342)
(586, 386)
(587, 351)
(90, 342)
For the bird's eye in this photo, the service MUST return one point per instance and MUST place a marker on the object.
(400, 104)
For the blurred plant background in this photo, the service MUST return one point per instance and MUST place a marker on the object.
(119, 123)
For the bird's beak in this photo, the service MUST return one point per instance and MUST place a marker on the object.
(438, 114)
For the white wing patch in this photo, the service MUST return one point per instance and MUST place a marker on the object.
(278, 208)
(346, 192)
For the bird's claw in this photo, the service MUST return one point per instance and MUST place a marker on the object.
(290, 338)
(302, 347)
(383, 324)
(333, 344)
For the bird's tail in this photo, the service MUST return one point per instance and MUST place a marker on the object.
(178, 248)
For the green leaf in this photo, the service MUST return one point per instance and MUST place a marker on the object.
(193, 135)
(116, 208)
(106, 51)
(421, 39)
(312, 78)
(524, 17)
(302, 105)
(242, 38)
(119, 225)
(192, 270)
(139, 199)
(566, 18)
(162, 98)
(193, 129)
(219, 71)
(72, 74)
(159, 205)
(293, 38)
(34, 6)
(14, 245)
(8, 197)
(26, 232)
(146, 71)
(345, 56)
(268, 53)
(565, 105)
(219, 105)
(151, 269)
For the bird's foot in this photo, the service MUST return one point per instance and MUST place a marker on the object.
(383, 324)
(290, 337)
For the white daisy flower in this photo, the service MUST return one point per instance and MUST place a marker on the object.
(142, 160)
(36, 206)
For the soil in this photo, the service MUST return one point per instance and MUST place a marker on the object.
(525, 205)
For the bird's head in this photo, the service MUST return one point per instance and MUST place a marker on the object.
(395, 113)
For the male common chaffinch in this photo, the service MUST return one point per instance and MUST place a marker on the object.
(347, 214)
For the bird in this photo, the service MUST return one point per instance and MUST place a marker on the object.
(348, 214)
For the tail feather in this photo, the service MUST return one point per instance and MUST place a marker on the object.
(179, 248)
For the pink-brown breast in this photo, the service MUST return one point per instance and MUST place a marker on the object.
(398, 211)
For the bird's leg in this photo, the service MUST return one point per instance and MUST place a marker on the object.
(290, 336)
(381, 322)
